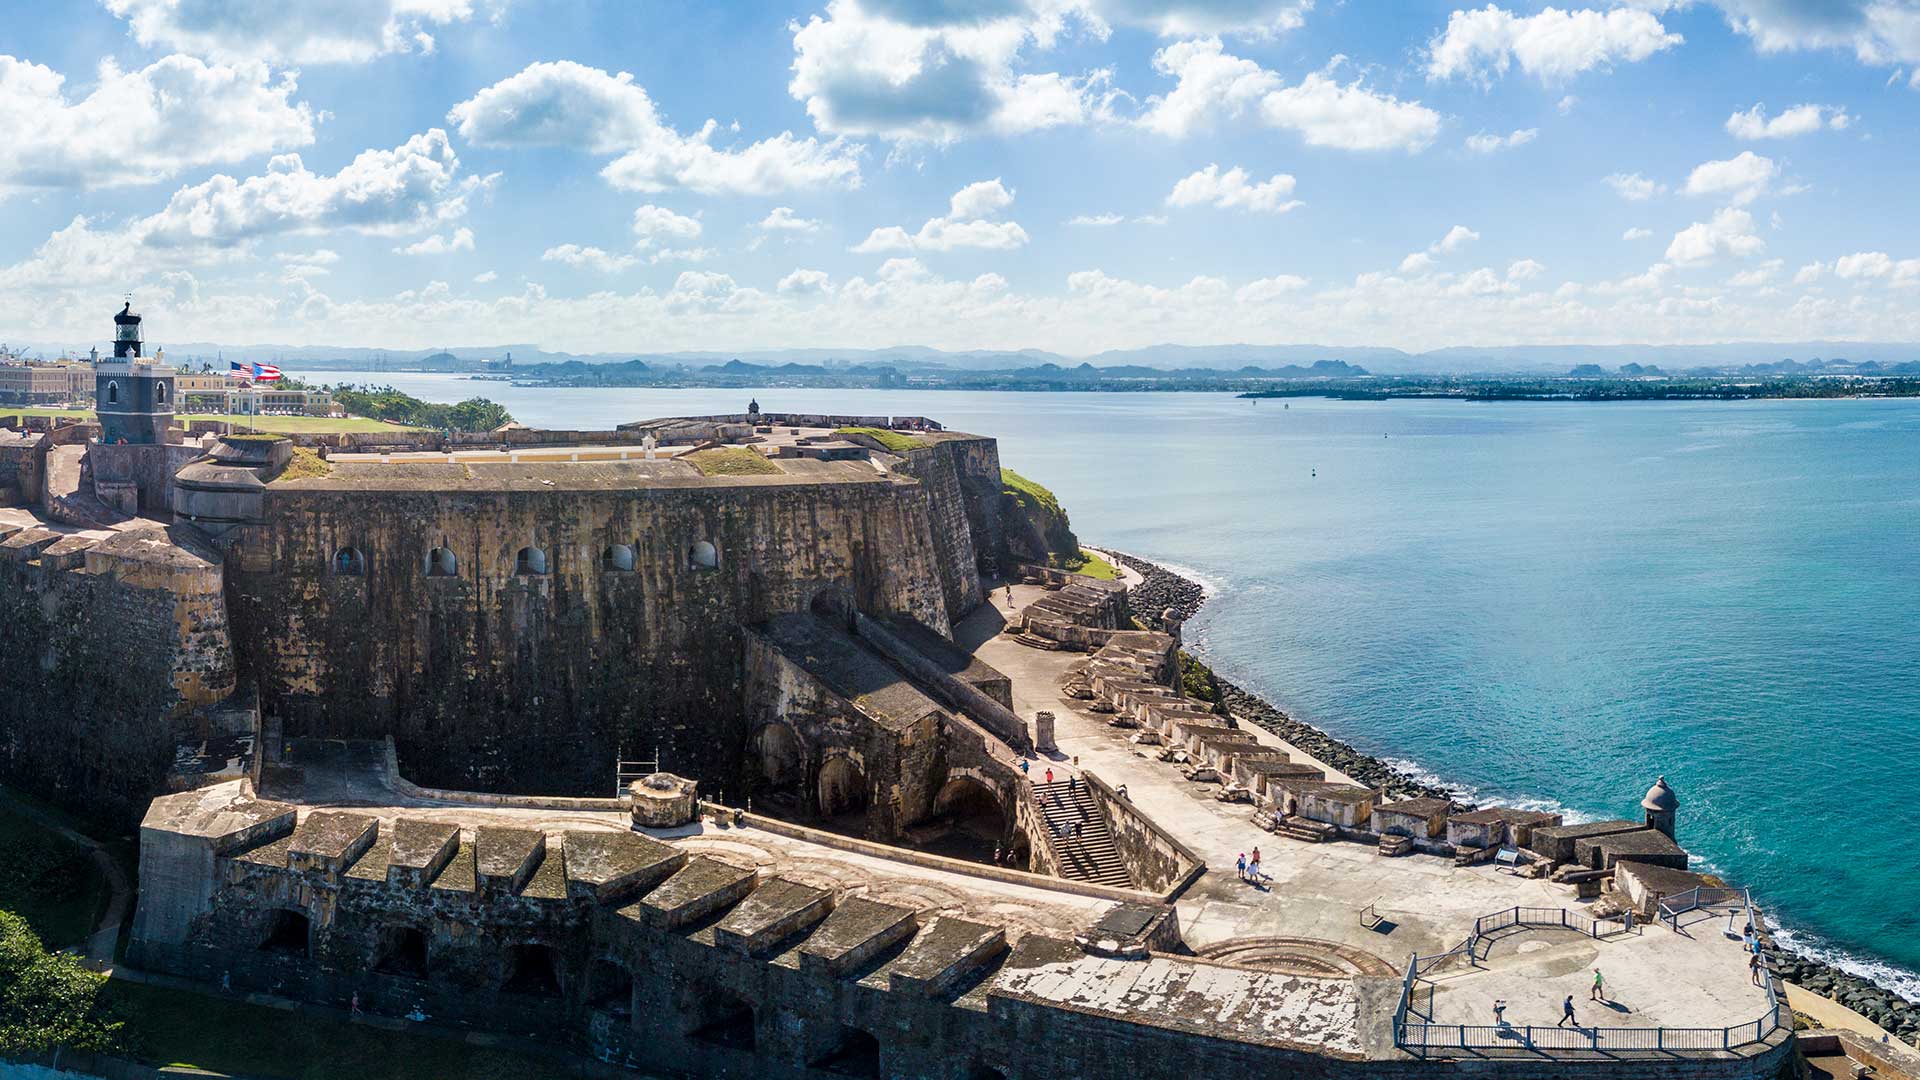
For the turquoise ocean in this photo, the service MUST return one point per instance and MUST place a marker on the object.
(1544, 604)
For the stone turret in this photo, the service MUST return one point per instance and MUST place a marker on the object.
(1661, 804)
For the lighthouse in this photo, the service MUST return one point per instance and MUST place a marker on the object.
(133, 397)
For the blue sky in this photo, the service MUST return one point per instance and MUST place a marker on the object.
(1072, 175)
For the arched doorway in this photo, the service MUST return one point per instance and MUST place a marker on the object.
(834, 605)
(288, 932)
(972, 819)
(403, 951)
(610, 988)
(778, 760)
(855, 1053)
(842, 788)
(532, 969)
(723, 1018)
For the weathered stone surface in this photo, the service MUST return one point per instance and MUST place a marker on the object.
(695, 891)
(328, 841)
(419, 851)
(858, 930)
(505, 858)
(943, 954)
(608, 867)
(771, 913)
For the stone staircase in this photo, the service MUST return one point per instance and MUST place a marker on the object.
(1299, 828)
(1091, 856)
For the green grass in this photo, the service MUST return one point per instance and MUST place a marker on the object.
(304, 465)
(892, 440)
(1029, 493)
(730, 461)
(48, 880)
(310, 425)
(179, 1027)
(1091, 565)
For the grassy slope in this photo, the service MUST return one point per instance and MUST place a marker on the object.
(289, 424)
(892, 440)
(1091, 565)
(48, 880)
(730, 461)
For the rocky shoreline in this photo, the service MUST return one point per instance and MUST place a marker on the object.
(1163, 589)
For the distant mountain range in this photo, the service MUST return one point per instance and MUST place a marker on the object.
(1758, 357)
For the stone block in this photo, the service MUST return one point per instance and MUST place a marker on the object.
(944, 954)
(505, 858)
(329, 841)
(419, 850)
(770, 914)
(858, 930)
(700, 888)
(610, 867)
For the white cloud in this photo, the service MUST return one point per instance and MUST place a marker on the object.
(652, 223)
(1421, 261)
(1525, 270)
(1552, 46)
(485, 277)
(1635, 188)
(1799, 120)
(1863, 265)
(1231, 190)
(1487, 144)
(296, 33)
(588, 258)
(1270, 289)
(571, 105)
(1809, 273)
(437, 244)
(1758, 277)
(700, 254)
(930, 74)
(316, 257)
(966, 224)
(1321, 110)
(805, 282)
(379, 192)
(139, 127)
(1741, 179)
(1875, 31)
(1729, 233)
(1097, 221)
(782, 219)
(1636, 233)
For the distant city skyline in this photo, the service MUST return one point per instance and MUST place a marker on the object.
(1066, 175)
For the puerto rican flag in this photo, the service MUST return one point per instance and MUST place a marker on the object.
(254, 372)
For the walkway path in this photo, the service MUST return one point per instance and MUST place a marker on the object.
(106, 931)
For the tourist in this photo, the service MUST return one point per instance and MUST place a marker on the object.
(1023, 766)
(1253, 867)
(1073, 783)
(1753, 965)
(1241, 866)
(356, 1003)
(1566, 1011)
(1121, 791)
(1500, 1012)
(1599, 988)
(1049, 775)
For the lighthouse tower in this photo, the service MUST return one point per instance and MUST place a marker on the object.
(132, 396)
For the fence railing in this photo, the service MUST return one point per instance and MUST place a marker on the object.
(1694, 899)
(1415, 1031)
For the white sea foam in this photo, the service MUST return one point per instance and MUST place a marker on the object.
(1210, 586)
(1902, 981)
(1419, 773)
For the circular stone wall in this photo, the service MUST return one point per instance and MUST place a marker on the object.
(1297, 956)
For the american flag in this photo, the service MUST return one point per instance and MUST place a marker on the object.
(255, 372)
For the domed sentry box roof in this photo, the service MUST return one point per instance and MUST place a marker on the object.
(1660, 797)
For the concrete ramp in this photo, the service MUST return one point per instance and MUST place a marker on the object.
(68, 498)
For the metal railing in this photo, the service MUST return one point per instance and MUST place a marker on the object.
(1415, 1031)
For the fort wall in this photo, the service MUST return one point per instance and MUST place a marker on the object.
(494, 679)
(106, 648)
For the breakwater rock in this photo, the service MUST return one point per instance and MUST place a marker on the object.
(1163, 589)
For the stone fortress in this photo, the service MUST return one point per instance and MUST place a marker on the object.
(766, 745)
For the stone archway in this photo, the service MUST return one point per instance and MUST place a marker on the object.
(836, 606)
(841, 788)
